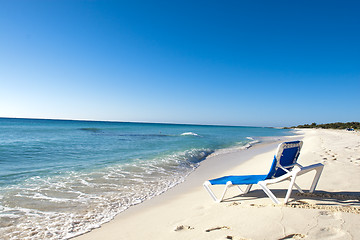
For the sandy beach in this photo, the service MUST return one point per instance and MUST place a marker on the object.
(188, 212)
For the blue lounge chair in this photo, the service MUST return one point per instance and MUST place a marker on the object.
(284, 167)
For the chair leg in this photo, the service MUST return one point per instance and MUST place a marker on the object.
(318, 167)
(316, 178)
(298, 188)
(228, 184)
(212, 194)
(288, 193)
(207, 187)
(246, 190)
(268, 192)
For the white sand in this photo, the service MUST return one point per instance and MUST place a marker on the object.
(188, 212)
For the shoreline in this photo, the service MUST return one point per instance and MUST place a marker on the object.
(188, 212)
(212, 166)
(86, 174)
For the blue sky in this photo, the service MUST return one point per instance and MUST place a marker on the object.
(260, 63)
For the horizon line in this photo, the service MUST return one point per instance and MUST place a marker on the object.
(140, 122)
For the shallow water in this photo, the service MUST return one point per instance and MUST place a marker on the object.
(59, 178)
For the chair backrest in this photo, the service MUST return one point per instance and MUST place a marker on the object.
(287, 155)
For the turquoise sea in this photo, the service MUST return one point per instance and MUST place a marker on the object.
(61, 178)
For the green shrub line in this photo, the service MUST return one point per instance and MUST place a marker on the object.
(337, 125)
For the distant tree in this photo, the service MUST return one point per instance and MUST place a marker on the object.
(337, 125)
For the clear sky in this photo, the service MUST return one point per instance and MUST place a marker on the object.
(260, 63)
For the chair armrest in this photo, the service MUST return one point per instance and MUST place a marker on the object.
(317, 167)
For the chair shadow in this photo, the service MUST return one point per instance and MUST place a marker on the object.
(322, 197)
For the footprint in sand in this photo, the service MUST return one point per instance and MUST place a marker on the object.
(329, 225)
(330, 233)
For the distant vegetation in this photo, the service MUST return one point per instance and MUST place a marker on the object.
(337, 125)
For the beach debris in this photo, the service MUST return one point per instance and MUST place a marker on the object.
(293, 236)
(257, 205)
(216, 228)
(234, 204)
(298, 202)
(183, 227)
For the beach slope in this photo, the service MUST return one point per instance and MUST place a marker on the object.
(188, 212)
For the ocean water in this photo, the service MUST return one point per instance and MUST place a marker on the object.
(59, 179)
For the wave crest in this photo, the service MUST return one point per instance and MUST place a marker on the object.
(189, 134)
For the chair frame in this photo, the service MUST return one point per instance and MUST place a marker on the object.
(297, 170)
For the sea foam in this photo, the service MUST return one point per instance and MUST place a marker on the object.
(189, 134)
(64, 178)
